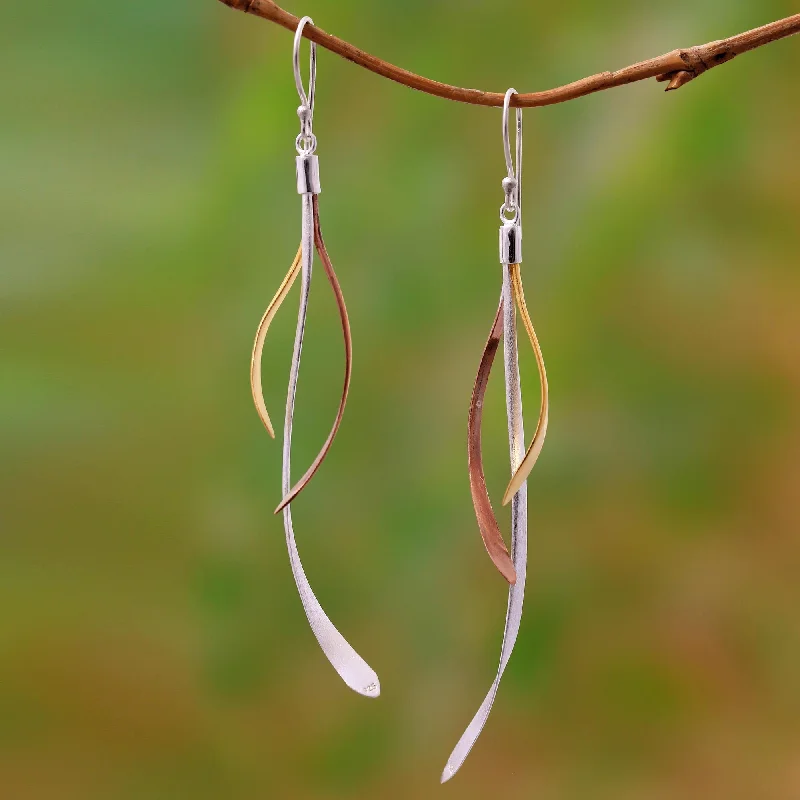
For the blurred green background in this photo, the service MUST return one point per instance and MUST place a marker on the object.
(152, 644)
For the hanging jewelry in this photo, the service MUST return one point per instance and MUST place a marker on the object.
(355, 672)
(511, 566)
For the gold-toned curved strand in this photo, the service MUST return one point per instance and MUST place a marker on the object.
(535, 448)
(261, 335)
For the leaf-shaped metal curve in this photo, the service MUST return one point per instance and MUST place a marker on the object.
(261, 335)
(487, 522)
(354, 671)
(348, 356)
(519, 533)
(535, 447)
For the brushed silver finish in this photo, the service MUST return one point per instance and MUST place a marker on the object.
(519, 532)
(516, 441)
(537, 443)
(354, 671)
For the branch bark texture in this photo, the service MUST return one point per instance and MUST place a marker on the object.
(676, 68)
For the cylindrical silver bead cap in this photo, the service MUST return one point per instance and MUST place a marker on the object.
(511, 244)
(308, 175)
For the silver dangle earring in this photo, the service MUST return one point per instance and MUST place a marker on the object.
(354, 671)
(512, 567)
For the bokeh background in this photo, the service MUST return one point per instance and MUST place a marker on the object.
(152, 645)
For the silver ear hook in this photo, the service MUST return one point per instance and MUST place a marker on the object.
(511, 210)
(306, 141)
(512, 184)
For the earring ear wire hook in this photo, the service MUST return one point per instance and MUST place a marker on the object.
(306, 99)
(306, 141)
(512, 185)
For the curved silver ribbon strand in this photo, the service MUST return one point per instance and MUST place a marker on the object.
(354, 671)
(519, 530)
(516, 443)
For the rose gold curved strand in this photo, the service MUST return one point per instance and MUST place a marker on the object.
(487, 522)
(348, 358)
(535, 447)
(261, 335)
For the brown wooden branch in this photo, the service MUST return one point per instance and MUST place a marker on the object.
(677, 67)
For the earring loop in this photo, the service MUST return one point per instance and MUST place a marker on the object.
(306, 100)
(513, 183)
(306, 142)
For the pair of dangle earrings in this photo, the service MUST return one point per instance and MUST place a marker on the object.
(355, 672)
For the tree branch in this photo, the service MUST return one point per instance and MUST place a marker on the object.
(677, 67)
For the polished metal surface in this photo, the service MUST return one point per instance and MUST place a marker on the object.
(306, 100)
(510, 244)
(306, 142)
(308, 175)
(511, 210)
